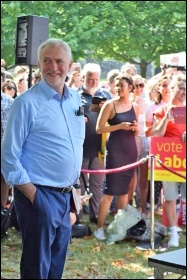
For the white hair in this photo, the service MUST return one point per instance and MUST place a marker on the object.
(54, 42)
(91, 68)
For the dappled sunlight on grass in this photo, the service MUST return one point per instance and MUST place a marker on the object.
(91, 258)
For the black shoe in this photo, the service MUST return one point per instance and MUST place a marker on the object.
(131, 202)
(94, 220)
(85, 209)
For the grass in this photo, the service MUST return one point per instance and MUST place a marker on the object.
(91, 259)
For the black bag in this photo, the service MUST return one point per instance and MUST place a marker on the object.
(13, 219)
(80, 230)
(5, 219)
(138, 230)
(8, 218)
(142, 231)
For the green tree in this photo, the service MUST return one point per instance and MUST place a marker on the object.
(134, 31)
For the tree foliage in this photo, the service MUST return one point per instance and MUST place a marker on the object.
(134, 31)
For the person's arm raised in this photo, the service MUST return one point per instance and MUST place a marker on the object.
(160, 124)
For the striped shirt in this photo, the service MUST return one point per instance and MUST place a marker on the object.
(6, 103)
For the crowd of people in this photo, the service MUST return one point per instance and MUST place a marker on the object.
(57, 134)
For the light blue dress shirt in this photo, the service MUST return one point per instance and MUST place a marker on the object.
(43, 140)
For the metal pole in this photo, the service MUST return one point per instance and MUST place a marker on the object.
(152, 200)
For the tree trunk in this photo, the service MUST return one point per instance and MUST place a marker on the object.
(143, 68)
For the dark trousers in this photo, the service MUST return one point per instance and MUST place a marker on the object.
(45, 229)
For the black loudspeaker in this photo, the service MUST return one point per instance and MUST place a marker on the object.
(32, 31)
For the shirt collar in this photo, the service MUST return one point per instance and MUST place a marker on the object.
(50, 92)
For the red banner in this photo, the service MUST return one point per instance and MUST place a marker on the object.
(172, 153)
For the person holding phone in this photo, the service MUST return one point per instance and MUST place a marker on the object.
(97, 102)
(166, 126)
(121, 115)
(93, 141)
(75, 77)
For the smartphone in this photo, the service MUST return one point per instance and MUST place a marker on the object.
(87, 195)
(131, 124)
(98, 99)
(179, 114)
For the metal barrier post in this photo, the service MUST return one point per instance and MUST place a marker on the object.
(152, 200)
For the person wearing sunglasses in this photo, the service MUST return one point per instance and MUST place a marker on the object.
(139, 183)
(9, 87)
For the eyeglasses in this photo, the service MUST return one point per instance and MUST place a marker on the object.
(10, 87)
(140, 85)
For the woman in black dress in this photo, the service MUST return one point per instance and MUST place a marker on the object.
(121, 116)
